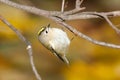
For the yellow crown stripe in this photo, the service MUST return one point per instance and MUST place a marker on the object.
(41, 30)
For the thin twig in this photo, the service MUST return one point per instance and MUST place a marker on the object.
(26, 8)
(112, 25)
(29, 46)
(74, 11)
(78, 3)
(108, 21)
(78, 8)
(63, 5)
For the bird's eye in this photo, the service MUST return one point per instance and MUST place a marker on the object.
(46, 31)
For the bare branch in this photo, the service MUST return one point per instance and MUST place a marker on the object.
(64, 15)
(29, 46)
(77, 8)
(113, 13)
(111, 24)
(73, 30)
(107, 19)
(74, 11)
(78, 3)
(82, 15)
(63, 5)
(87, 15)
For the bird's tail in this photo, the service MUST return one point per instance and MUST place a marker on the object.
(63, 58)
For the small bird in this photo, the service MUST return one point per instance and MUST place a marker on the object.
(56, 40)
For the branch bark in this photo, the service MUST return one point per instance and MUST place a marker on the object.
(28, 44)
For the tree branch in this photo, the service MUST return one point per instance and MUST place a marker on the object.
(111, 24)
(53, 14)
(77, 8)
(102, 15)
(64, 15)
(87, 15)
(29, 46)
(76, 32)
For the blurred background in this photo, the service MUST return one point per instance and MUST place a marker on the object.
(87, 61)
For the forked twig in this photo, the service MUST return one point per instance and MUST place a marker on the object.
(78, 8)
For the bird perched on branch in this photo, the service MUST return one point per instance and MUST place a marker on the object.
(56, 40)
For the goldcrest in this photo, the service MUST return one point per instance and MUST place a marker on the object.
(56, 40)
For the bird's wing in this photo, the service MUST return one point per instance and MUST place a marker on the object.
(55, 53)
(61, 57)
